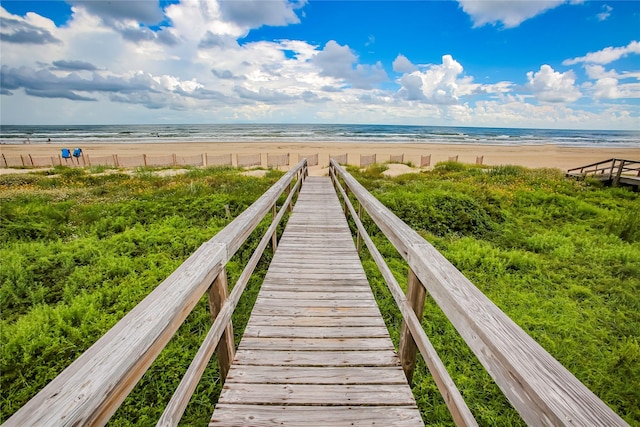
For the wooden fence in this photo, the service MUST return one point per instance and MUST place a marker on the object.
(367, 160)
(173, 160)
(537, 385)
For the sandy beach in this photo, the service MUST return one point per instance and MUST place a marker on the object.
(534, 156)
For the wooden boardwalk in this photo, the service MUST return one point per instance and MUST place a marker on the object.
(316, 350)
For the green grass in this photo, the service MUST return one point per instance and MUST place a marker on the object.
(560, 257)
(79, 251)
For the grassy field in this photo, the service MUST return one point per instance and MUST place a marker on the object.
(560, 257)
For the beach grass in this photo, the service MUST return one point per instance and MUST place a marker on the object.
(560, 257)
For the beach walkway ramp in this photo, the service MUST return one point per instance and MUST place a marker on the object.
(316, 347)
(316, 350)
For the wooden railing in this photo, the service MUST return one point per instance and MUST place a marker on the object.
(611, 169)
(537, 385)
(90, 390)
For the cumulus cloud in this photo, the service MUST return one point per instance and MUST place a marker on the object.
(340, 62)
(548, 85)
(608, 83)
(142, 88)
(226, 75)
(211, 40)
(263, 95)
(146, 12)
(510, 13)
(402, 65)
(21, 32)
(606, 55)
(438, 84)
(256, 13)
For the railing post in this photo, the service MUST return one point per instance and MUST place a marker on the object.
(358, 237)
(290, 207)
(408, 350)
(616, 180)
(274, 236)
(346, 193)
(218, 293)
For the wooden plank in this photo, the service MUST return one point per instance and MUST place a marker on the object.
(317, 311)
(316, 358)
(344, 331)
(325, 344)
(319, 303)
(271, 320)
(316, 375)
(318, 394)
(316, 295)
(261, 415)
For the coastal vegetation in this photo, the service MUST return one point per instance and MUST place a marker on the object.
(80, 248)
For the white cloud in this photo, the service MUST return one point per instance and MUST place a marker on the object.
(402, 65)
(438, 84)
(510, 12)
(89, 71)
(608, 85)
(606, 12)
(256, 13)
(147, 12)
(341, 63)
(606, 55)
(548, 85)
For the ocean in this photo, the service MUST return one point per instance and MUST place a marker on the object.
(87, 134)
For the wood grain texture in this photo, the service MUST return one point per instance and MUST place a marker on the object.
(317, 416)
(316, 344)
(537, 385)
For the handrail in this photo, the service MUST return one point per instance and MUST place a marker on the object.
(610, 164)
(542, 390)
(178, 403)
(452, 397)
(592, 164)
(90, 390)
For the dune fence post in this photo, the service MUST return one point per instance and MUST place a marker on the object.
(408, 349)
(217, 295)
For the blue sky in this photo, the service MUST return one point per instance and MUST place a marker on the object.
(498, 63)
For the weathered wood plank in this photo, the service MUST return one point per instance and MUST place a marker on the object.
(317, 394)
(324, 344)
(345, 331)
(271, 320)
(338, 416)
(316, 358)
(319, 303)
(316, 311)
(316, 375)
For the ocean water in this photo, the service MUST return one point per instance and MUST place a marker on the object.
(87, 134)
